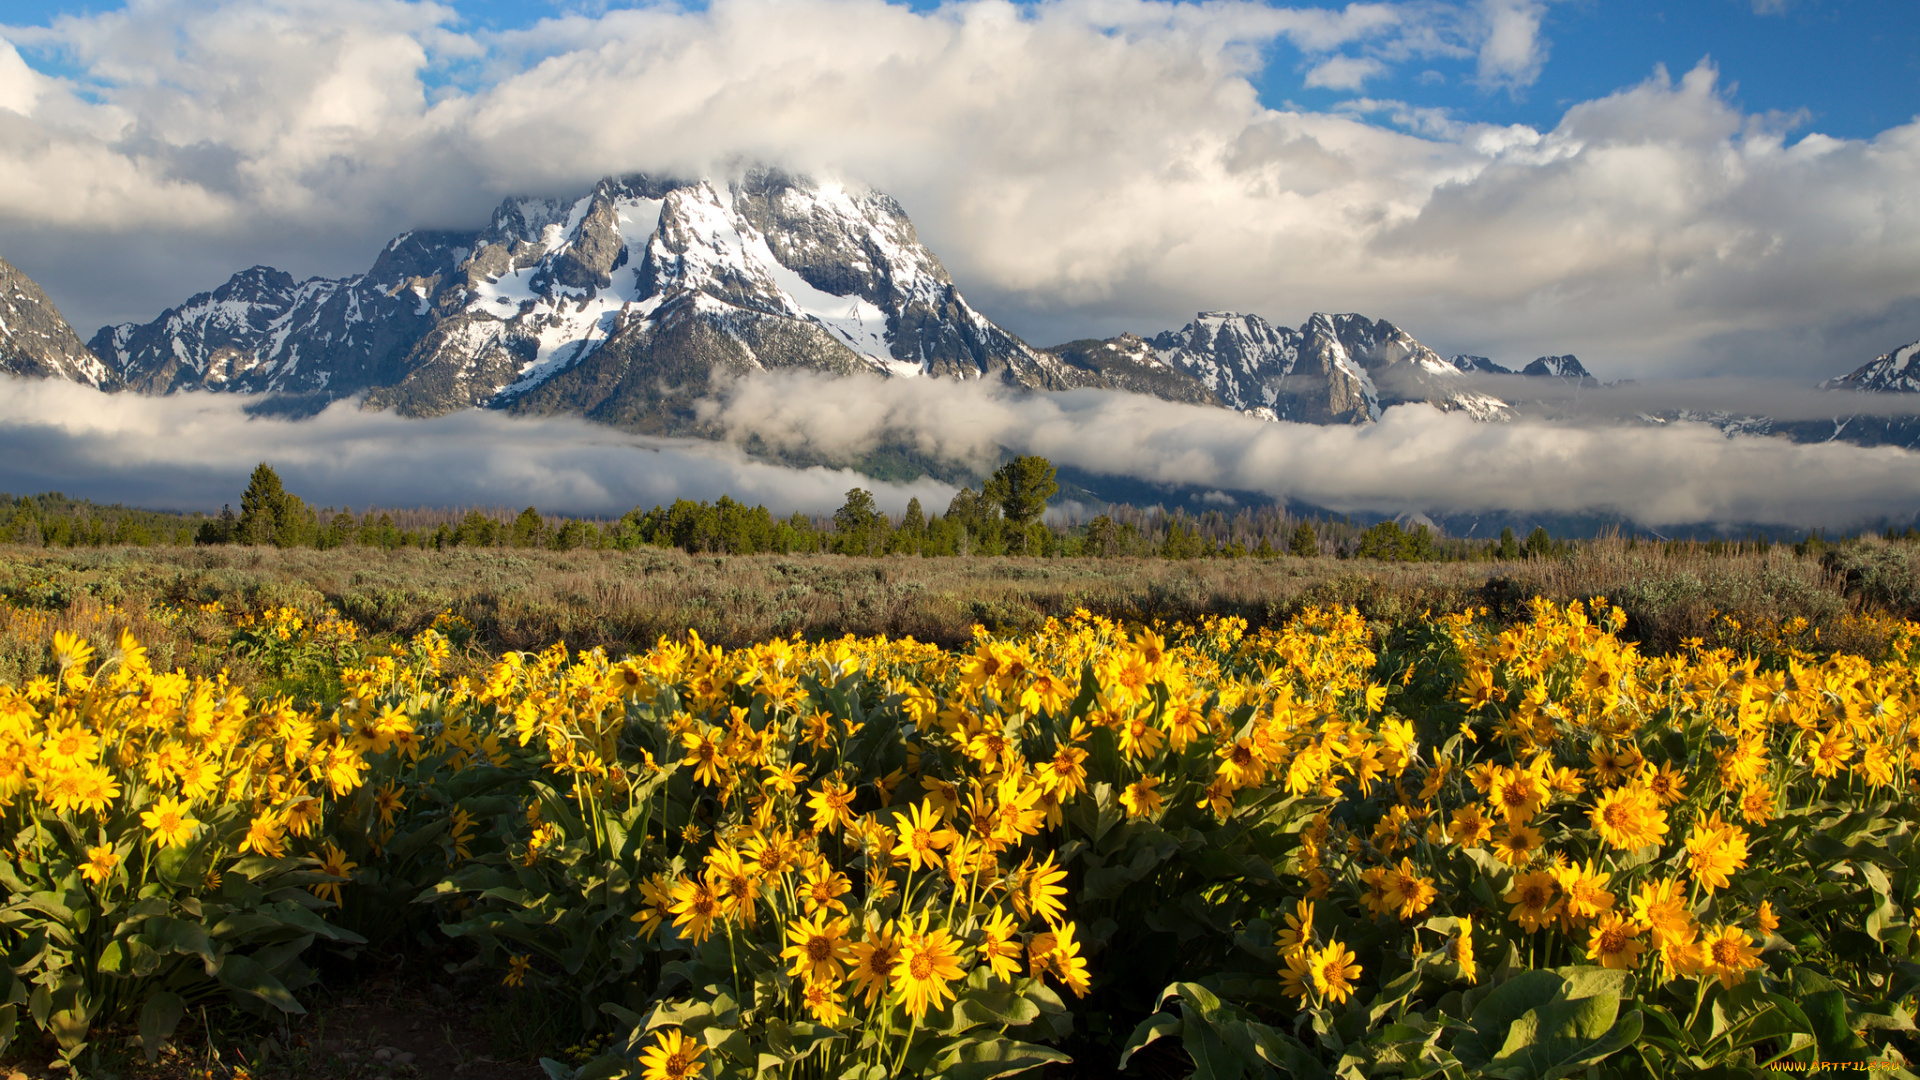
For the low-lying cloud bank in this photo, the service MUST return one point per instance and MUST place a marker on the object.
(1416, 459)
(194, 451)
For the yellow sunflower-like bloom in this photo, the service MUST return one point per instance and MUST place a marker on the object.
(170, 822)
(928, 963)
(817, 948)
(673, 1056)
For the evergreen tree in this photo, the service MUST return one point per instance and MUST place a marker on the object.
(1102, 538)
(1021, 489)
(270, 514)
(1305, 542)
(530, 529)
(261, 506)
(1383, 541)
(1509, 548)
(1539, 544)
(856, 521)
(979, 517)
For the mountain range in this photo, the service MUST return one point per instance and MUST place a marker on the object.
(626, 303)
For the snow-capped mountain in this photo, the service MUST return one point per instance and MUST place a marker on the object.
(1478, 365)
(262, 331)
(1129, 363)
(1334, 369)
(620, 304)
(1560, 367)
(625, 303)
(1895, 372)
(36, 341)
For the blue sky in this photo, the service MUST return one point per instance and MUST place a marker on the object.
(1850, 67)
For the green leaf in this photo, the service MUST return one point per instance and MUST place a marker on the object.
(1545, 1024)
(1157, 1026)
(158, 1017)
(277, 956)
(9, 1022)
(167, 935)
(245, 976)
(989, 1059)
(976, 1008)
(1286, 1052)
(72, 1013)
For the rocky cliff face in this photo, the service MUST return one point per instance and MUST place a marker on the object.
(1334, 369)
(36, 342)
(1895, 372)
(264, 332)
(622, 305)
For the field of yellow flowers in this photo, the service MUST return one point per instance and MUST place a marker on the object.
(1444, 849)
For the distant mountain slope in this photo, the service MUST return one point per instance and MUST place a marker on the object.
(620, 305)
(1891, 372)
(35, 341)
(628, 304)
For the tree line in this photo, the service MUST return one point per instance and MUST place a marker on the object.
(1004, 517)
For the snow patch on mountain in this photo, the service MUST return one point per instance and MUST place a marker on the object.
(1896, 372)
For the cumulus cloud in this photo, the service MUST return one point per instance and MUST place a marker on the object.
(194, 451)
(1415, 460)
(1082, 166)
(1514, 51)
(1344, 72)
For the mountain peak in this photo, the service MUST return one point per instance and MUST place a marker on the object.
(36, 341)
(1897, 371)
(1559, 367)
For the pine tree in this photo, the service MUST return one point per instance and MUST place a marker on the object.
(1305, 542)
(260, 507)
(856, 521)
(529, 529)
(1022, 488)
(1509, 548)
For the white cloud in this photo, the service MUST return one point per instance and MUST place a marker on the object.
(194, 451)
(1344, 72)
(1080, 165)
(1513, 52)
(1415, 459)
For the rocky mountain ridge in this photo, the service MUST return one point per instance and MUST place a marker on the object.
(627, 303)
(36, 342)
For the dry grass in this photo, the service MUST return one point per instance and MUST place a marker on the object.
(519, 599)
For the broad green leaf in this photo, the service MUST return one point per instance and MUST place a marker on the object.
(1157, 1026)
(990, 1059)
(1286, 1052)
(159, 1015)
(247, 977)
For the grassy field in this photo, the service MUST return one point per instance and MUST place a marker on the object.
(526, 599)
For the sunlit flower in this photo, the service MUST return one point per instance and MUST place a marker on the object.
(928, 963)
(671, 1057)
(170, 822)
